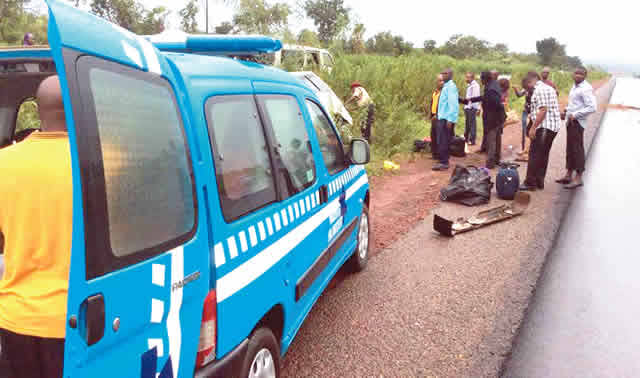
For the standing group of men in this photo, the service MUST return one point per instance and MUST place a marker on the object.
(542, 120)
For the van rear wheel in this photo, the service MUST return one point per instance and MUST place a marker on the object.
(263, 355)
(360, 256)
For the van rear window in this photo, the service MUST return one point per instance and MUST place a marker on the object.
(136, 167)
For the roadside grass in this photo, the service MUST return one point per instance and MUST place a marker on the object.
(401, 86)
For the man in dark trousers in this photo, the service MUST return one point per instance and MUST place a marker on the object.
(432, 111)
(494, 117)
(545, 114)
(582, 103)
(448, 110)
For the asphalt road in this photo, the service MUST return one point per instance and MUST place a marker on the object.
(430, 306)
(583, 321)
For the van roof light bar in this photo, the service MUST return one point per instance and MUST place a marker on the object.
(207, 44)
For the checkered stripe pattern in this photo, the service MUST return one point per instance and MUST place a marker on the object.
(280, 221)
(546, 96)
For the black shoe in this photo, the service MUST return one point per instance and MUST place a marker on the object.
(528, 188)
(440, 167)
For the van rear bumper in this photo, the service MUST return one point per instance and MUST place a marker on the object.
(229, 366)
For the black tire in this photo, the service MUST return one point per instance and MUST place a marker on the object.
(358, 262)
(261, 339)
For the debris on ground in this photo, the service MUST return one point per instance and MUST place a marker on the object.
(483, 218)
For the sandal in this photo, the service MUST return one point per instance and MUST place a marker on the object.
(573, 185)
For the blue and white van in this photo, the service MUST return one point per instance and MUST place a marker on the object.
(213, 198)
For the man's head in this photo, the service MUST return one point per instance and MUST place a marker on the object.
(440, 81)
(531, 80)
(486, 77)
(579, 75)
(494, 74)
(545, 73)
(447, 74)
(505, 84)
(28, 40)
(50, 106)
(469, 77)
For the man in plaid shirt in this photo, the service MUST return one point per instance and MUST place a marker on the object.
(545, 115)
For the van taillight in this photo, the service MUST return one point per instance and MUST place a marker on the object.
(207, 345)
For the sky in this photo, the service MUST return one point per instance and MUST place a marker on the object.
(601, 34)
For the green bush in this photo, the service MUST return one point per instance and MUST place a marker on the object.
(400, 87)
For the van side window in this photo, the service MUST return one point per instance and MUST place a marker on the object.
(243, 167)
(141, 191)
(284, 116)
(330, 145)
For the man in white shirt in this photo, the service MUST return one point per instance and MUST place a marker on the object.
(582, 103)
(471, 109)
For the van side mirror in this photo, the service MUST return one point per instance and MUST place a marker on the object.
(360, 153)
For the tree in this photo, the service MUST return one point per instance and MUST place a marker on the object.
(465, 46)
(257, 17)
(224, 28)
(126, 13)
(357, 39)
(17, 18)
(131, 15)
(429, 46)
(331, 17)
(574, 62)
(386, 43)
(501, 48)
(308, 37)
(548, 49)
(188, 16)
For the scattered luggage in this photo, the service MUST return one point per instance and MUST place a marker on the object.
(469, 186)
(498, 214)
(458, 146)
(507, 181)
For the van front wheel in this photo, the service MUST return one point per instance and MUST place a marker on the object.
(263, 356)
(361, 255)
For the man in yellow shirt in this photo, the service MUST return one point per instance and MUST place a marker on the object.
(35, 220)
(432, 110)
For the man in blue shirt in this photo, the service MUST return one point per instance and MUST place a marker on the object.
(448, 109)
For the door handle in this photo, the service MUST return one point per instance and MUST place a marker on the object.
(92, 319)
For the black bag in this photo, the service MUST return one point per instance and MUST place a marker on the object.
(469, 186)
(456, 148)
(421, 145)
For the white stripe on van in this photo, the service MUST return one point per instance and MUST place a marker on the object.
(276, 220)
(253, 268)
(243, 241)
(263, 234)
(218, 252)
(233, 248)
(253, 238)
(173, 319)
(150, 55)
(269, 227)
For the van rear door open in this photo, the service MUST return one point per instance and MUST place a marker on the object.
(139, 267)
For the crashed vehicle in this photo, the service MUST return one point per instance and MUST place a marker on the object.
(327, 96)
